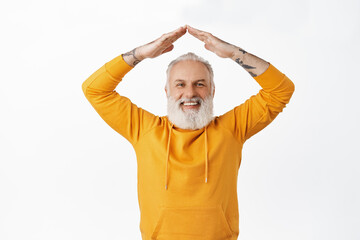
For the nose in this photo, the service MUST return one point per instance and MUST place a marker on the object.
(190, 92)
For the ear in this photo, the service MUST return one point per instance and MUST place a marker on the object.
(213, 93)
(166, 91)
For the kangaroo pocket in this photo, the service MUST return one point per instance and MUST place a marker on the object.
(191, 223)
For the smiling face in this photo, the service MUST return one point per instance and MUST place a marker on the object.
(189, 79)
(190, 95)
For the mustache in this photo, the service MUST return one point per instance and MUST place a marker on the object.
(194, 99)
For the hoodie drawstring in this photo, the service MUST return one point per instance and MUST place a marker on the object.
(168, 154)
(206, 157)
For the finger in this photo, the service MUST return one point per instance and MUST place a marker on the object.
(194, 30)
(172, 33)
(201, 35)
(182, 28)
(171, 47)
(209, 47)
(173, 36)
(178, 32)
(198, 36)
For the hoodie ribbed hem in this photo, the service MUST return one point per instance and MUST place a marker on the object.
(147, 237)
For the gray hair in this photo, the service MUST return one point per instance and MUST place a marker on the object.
(193, 57)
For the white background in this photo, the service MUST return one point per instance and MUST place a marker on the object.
(65, 174)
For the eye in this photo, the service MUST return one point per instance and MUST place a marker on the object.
(200, 84)
(180, 85)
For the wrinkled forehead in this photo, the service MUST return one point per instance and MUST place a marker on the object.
(189, 70)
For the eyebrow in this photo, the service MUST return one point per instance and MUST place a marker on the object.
(181, 80)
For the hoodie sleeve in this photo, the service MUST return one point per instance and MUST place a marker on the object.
(261, 109)
(116, 110)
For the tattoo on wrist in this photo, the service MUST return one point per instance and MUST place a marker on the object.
(242, 50)
(247, 67)
(252, 74)
(132, 53)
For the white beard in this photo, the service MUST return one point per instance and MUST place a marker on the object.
(190, 118)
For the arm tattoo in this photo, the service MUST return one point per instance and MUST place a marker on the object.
(132, 53)
(244, 65)
(252, 74)
(242, 50)
(247, 67)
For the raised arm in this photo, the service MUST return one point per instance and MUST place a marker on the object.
(116, 110)
(261, 109)
(251, 63)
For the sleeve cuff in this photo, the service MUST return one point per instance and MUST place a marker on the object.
(271, 78)
(117, 67)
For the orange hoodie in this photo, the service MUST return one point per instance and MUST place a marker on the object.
(187, 179)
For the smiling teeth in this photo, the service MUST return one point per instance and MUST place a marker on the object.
(190, 104)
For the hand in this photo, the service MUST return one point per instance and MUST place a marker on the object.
(214, 44)
(161, 45)
(155, 48)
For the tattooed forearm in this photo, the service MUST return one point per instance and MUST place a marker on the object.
(131, 58)
(243, 64)
(251, 63)
(246, 66)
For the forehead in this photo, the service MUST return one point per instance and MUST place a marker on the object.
(189, 70)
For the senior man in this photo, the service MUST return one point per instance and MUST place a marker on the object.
(188, 161)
